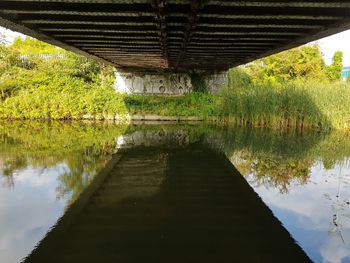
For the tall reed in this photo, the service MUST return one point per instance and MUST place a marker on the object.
(297, 104)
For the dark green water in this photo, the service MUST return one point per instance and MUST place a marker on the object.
(172, 193)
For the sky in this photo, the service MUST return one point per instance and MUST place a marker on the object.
(340, 41)
(329, 45)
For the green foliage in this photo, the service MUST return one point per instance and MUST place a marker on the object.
(334, 70)
(291, 89)
(60, 88)
(303, 62)
(68, 64)
(41, 95)
(8, 57)
(193, 104)
(31, 46)
(198, 83)
(78, 67)
(238, 78)
(2, 48)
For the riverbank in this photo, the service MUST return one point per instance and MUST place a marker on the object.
(299, 105)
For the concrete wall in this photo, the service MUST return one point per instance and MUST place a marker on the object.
(161, 84)
(216, 81)
(166, 83)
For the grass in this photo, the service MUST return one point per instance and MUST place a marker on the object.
(295, 105)
(194, 104)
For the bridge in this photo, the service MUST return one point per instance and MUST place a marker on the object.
(175, 35)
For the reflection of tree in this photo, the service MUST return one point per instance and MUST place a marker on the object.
(83, 148)
(79, 174)
(8, 167)
(278, 158)
(274, 172)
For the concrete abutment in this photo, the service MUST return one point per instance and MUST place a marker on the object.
(168, 84)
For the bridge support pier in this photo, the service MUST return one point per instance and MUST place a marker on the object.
(167, 83)
(216, 81)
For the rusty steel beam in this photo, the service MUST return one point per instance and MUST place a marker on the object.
(196, 5)
(158, 6)
(175, 35)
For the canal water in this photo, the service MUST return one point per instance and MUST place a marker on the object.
(101, 192)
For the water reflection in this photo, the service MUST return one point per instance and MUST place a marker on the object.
(309, 193)
(82, 148)
(43, 169)
(303, 178)
(169, 204)
(27, 211)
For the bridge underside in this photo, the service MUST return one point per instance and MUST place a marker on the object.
(175, 35)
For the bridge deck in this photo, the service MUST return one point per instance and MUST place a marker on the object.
(184, 205)
(153, 35)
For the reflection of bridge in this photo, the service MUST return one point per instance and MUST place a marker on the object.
(152, 35)
(155, 204)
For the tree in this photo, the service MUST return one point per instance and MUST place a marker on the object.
(31, 46)
(8, 56)
(334, 71)
(2, 44)
(302, 62)
(3, 53)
